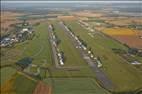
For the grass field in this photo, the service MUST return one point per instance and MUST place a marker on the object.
(6, 73)
(75, 86)
(26, 85)
(10, 55)
(39, 48)
(124, 76)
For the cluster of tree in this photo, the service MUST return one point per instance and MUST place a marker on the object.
(135, 26)
(57, 40)
(36, 24)
(82, 41)
(24, 62)
(63, 56)
(135, 51)
(53, 29)
(26, 36)
(119, 51)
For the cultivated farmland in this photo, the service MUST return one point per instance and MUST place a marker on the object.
(37, 49)
(126, 36)
(71, 48)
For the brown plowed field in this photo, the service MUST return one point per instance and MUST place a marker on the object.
(66, 17)
(7, 87)
(42, 88)
(8, 18)
(88, 14)
(132, 41)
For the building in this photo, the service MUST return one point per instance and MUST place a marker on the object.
(24, 30)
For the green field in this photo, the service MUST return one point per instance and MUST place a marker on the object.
(23, 85)
(18, 84)
(124, 76)
(6, 73)
(75, 86)
(39, 48)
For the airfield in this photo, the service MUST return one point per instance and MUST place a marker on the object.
(73, 54)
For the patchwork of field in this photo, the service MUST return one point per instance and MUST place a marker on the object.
(75, 76)
(18, 84)
(125, 36)
(122, 21)
(7, 19)
(62, 81)
(117, 69)
(120, 28)
(13, 82)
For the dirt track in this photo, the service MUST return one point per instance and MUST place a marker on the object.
(42, 88)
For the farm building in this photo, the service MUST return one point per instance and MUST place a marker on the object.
(25, 62)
